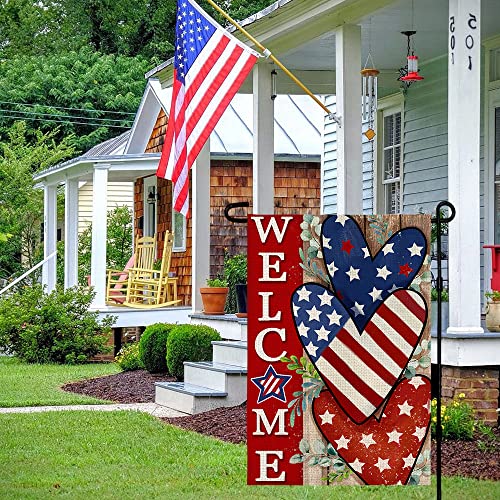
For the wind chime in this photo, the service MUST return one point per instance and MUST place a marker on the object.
(369, 95)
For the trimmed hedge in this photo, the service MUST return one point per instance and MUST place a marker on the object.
(189, 343)
(153, 347)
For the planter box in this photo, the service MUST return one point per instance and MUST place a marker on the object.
(445, 322)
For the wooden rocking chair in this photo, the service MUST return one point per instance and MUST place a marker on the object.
(117, 281)
(149, 288)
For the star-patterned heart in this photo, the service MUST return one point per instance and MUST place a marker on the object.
(385, 450)
(363, 282)
(359, 367)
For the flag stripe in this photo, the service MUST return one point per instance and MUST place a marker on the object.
(355, 404)
(403, 332)
(377, 335)
(361, 386)
(366, 357)
(412, 305)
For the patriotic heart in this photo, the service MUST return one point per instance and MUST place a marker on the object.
(359, 368)
(385, 450)
(361, 281)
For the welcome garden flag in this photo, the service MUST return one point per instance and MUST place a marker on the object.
(339, 350)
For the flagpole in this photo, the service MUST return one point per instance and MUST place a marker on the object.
(269, 55)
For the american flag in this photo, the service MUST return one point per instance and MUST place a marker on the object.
(209, 67)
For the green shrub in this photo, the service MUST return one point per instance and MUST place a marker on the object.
(128, 357)
(189, 343)
(216, 283)
(235, 272)
(54, 327)
(153, 347)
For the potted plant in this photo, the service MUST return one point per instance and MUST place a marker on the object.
(235, 272)
(214, 296)
(444, 308)
(493, 311)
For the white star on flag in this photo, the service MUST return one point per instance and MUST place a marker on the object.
(303, 329)
(405, 409)
(357, 309)
(313, 314)
(393, 288)
(303, 294)
(311, 349)
(383, 272)
(326, 298)
(342, 442)
(415, 250)
(367, 440)
(334, 318)
(408, 461)
(332, 269)
(326, 243)
(394, 436)
(382, 464)
(416, 382)
(366, 255)
(357, 465)
(420, 433)
(353, 274)
(375, 294)
(295, 310)
(341, 219)
(327, 418)
(322, 333)
(388, 248)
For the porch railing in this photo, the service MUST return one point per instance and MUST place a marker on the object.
(27, 273)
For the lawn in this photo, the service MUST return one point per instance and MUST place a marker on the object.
(38, 385)
(133, 455)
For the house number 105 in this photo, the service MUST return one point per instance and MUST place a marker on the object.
(469, 38)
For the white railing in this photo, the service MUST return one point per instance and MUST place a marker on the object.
(27, 273)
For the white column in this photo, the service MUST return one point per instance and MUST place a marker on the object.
(263, 140)
(71, 233)
(200, 225)
(99, 234)
(348, 93)
(49, 236)
(464, 70)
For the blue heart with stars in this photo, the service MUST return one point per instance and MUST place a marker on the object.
(362, 282)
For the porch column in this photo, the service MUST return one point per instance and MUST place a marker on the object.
(49, 236)
(200, 225)
(263, 140)
(71, 233)
(464, 108)
(348, 94)
(99, 233)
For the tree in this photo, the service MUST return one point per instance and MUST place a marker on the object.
(86, 82)
(21, 205)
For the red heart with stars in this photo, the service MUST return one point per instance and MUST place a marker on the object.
(385, 450)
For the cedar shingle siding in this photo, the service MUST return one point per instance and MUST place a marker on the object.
(297, 188)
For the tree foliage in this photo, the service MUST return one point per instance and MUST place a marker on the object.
(21, 205)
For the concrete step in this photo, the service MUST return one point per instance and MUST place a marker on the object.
(230, 353)
(192, 399)
(228, 325)
(218, 376)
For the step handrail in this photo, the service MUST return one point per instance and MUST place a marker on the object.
(27, 273)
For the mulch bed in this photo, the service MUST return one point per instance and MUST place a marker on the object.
(478, 459)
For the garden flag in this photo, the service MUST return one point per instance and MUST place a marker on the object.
(338, 350)
(209, 67)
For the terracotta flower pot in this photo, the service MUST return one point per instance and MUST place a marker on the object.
(214, 299)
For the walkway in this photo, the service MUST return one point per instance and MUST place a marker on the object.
(151, 408)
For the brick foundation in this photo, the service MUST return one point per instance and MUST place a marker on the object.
(480, 386)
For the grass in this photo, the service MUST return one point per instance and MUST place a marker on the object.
(22, 384)
(133, 455)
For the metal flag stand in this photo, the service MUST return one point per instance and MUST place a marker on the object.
(438, 220)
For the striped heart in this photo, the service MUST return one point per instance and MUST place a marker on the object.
(359, 369)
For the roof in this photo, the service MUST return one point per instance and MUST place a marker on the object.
(298, 122)
(113, 146)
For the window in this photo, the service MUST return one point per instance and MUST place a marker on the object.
(390, 164)
(150, 206)
(497, 175)
(179, 230)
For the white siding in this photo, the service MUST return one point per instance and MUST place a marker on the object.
(329, 165)
(119, 194)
